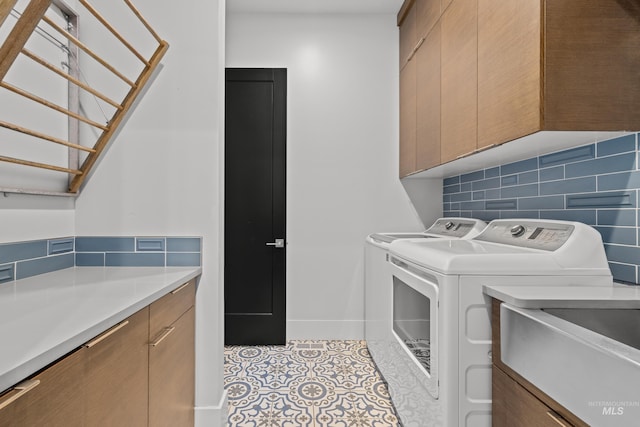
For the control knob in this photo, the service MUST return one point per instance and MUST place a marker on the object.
(517, 230)
(449, 225)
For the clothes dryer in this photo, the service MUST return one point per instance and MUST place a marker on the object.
(436, 357)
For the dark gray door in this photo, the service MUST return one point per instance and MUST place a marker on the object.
(255, 205)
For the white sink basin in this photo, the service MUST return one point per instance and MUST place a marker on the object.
(588, 360)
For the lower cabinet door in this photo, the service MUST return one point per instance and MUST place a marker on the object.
(117, 374)
(53, 398)
(172, 373)
(513, 405)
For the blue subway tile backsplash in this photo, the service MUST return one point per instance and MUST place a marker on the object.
(596, 184)
(61, 246)
(150, 244)
(90, 259)
(20, 260)
(33, 267)
(183, 244)
(101, 244)
(11, 252)
(134, 259)
(7, 272)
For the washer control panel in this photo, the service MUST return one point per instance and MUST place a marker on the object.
(455, 227)
(529, 234)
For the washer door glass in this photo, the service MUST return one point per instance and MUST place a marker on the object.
(412, 321)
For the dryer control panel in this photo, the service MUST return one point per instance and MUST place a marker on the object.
(547, 236)
(455, 227)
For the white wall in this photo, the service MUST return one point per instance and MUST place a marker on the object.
(342, 154)
(162, 174)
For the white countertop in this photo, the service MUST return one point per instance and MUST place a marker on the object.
(44, 317)
(575, 296)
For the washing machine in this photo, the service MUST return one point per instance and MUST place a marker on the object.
(377, 292)
(378, 308)
(437, 355)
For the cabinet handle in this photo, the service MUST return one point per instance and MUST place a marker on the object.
(476, 151)
(22, 389)
(175, 291)
(106, 334)
(166, 333)
(556, 418)
(415, 49)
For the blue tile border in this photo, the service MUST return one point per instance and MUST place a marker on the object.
(7, 272)
(597, 184)
(150, 244)
(60, 246)
(133, 259)
(105, 244)
(19, 260)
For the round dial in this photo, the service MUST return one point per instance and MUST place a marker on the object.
(517, 230)
(449, 225)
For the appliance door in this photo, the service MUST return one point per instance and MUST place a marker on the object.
(415, 320)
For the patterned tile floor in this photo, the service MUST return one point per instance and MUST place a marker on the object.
(306, 384)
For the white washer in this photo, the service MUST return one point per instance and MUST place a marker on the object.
(378, 293)
(436, 358)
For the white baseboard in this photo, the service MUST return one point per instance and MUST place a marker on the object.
(212, 416)
(325, 329)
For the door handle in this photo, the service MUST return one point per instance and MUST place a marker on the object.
(279, 243)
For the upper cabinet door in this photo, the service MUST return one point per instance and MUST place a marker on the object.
(427, 14)
(427, 60)
(592, 65)
(408, 35)
(459, 79)
(509, 69)
(408, 119)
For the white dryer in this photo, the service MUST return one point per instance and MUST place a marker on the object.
(437, 356)
(377, 291)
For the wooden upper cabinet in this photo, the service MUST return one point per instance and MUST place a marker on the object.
(427, 14)
(509, 69)
(591, 65)
(568, 65)
(427, 60)
(459, 79)
(408, 33)
(408, 119)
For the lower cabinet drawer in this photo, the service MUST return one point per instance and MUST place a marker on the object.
(170, 307)
(54, 397)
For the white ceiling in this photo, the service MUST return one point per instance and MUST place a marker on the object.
(313, 6)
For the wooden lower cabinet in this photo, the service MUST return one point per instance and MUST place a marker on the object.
(513, 405)
(117, 374)
(53, 397)
(139, 372)
(171, 373)
(172, 358)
